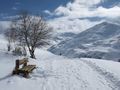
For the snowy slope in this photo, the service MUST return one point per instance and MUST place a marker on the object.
(58, 73)
(100, 41)
(59, 37)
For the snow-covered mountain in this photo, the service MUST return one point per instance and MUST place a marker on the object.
(100, 41)
(59, 37)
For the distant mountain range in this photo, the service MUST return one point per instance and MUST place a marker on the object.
(101, 41)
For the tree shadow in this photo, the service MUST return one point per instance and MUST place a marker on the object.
(5, 77)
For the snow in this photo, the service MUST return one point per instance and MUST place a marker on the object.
(101, 49)
(100, 41)
(55, 73)
(109, 69)
(109, 66)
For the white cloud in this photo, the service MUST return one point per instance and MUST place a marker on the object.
(86, 3)
(14, 8)
(76, 7)
(110, 13)
(70, 14)
(86, 8)
(62, 11)
(66, 24)
(47, 12)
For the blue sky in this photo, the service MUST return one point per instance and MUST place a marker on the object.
(109, 3)
(11, 7)
(66, 15)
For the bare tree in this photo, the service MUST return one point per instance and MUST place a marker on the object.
(10, 36)
(31, 31)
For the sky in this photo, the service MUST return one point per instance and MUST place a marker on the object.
(79, 15)
(11, 7)
(57, 7)
(90, 8)
(65, 14)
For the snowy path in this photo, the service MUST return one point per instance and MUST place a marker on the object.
(56, 73)
(73, 75)
(113, 81)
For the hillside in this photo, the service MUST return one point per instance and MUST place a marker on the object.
(100, 41)
(60, 73)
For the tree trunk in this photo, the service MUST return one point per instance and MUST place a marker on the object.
(9, 47)
(32, 55)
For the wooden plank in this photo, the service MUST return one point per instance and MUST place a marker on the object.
(22, 61)
(24, 68)
(31, 68)
(28, 68)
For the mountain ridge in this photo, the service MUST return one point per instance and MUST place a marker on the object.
(100, 41)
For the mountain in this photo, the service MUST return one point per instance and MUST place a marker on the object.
(101, 41)
(59, 37)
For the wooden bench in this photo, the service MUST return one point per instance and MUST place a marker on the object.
(25, 69)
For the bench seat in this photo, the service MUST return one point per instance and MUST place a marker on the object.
(28, 68)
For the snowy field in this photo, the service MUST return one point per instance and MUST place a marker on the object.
(60, 73)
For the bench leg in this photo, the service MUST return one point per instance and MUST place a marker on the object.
(26, 74)
(15, 72)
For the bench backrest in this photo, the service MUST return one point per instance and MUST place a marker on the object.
(21, 62)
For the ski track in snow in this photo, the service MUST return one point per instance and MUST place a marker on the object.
(110, 78)
(74, 75)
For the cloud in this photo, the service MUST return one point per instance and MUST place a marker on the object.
(47, 12)
(76, 7)
(14, 8)
(108, 13)
(75, 16)
(65, 24)
(87, 8)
